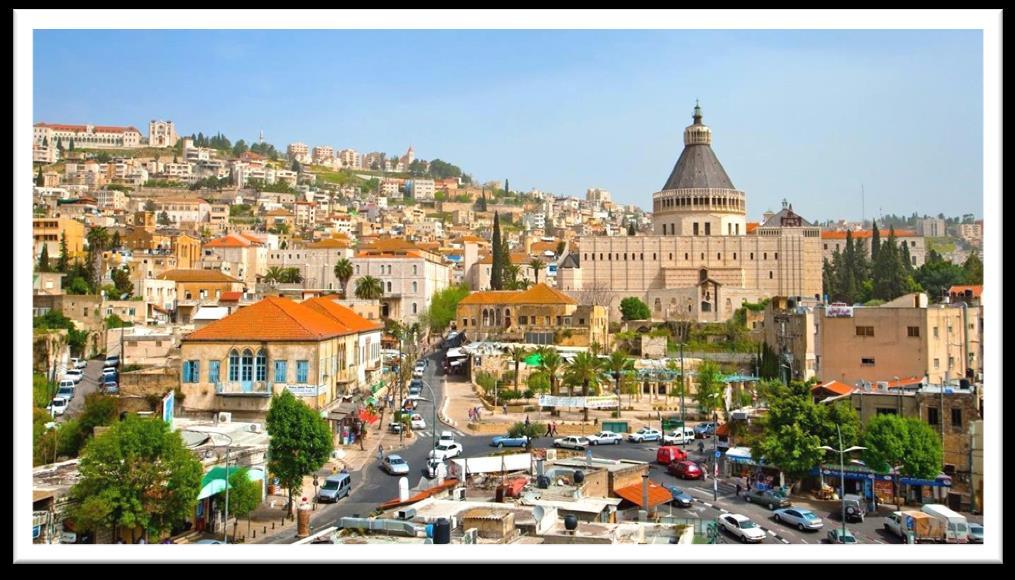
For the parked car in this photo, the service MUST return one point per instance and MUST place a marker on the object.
(840, 536)
(395, 465)
(742, 528)
(667, 454)
(74, 374)
(645, 434)
(605, 438)
(111, 361)
(680, 496)
(686, 470)
(505, 441)
(855, 508)
(335, 488)
(110, 371)
(66, 393)
(67, 383)
(679, 436)
(772, 498)
(703, 430)
(975, 533)
(78, 363)
(445, 451)
(110, 387)
(58, 406)
(800, 518)
(433, 466)
(572, 442)
(446, 437)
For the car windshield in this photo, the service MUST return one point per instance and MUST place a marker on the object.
(847, 539)
(330, 485)
(677, 491)
(808, 516)
(396, 460)
(747, 524)
(443, 447)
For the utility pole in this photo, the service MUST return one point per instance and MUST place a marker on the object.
(683, 386)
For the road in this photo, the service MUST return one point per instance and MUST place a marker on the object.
(89, 384)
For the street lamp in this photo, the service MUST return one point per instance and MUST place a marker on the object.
(715, 448)
(842, 471)
(225, 520)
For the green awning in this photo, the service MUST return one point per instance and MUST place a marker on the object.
(533, 359)
(215, 480)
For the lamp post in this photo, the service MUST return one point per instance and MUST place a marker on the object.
(225, 519)
(842, 471)
(715, 449)
(683, 384)
(433, 401)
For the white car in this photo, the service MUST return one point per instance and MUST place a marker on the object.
(417, 421)
(572, 443)
(78, 363)
(446, 437)
(445, 451)
(395, 465)
(679, 437)
(645, 434)
(742, 527)
(74, 374)
(58, 406)
(606, 438)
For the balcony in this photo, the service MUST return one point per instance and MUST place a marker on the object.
(244, 389)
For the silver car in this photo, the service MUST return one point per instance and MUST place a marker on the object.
(800, 518)
(395, 465)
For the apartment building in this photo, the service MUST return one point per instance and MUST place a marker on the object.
(111, 199)
(195, 288)
(87, 136)
(323, 155)
(183, 210)
(316, 262)
(409, 276)
(418, 188)
(350, 158)
(306, 214)
(162, 134)
(48, 231)
(972, 233)
(931, 227)
(298, 151)
(241, 256)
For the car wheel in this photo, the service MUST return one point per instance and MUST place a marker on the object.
(747, 498)
(777, 518)
(500, 445)
(800, 527)
(771, 506)
(743, 539)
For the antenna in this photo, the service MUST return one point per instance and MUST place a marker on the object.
(863, 213)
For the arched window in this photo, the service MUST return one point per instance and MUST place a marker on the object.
(414, 307)
(262, 365)
(769, 275)
(234, 366)
(658, 305)
(486, 317)
(247, 366)
(414, 287)
(389, 286)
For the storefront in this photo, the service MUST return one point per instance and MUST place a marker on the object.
(858, 480)
(211, 499)
(738, 462)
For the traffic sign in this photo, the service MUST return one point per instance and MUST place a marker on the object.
(718, 454)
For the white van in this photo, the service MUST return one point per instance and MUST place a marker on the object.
(679, 436)
(956, 526)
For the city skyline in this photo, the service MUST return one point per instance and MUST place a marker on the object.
(874, 118)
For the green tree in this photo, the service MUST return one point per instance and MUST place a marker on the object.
(38, 178)
(875, 241)
(43, 265)
(710, 388)
(62, 261)
(619, 366)
(121, 279)
(149, 205)
(98, 242)
(71, 148)
(632, 308)
(550, 364)
(240, 148)
(518, 355)
(585, 370)
(300, 441)
(444, 306)
(343, 271)
(116, 241)
(164, 219)
(537, 265)
(244, 494)
(936, 275)
(538, 382)
(973, 268)
(631, 230)
(925, 455)
(138, 474)
(889, 274)
(369, 288)
(497, 267)
(531, 431)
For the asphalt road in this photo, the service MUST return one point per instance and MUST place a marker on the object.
(89, 384)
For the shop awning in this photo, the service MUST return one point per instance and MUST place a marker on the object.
(941, 481)
(657, 494)
(533, 359)
(739, 455)
(455, 353)
(215, 480)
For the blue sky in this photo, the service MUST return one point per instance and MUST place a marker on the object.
(804, 115)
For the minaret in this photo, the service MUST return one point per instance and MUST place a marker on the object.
(261, 138)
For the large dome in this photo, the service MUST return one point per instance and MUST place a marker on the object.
(698, 167)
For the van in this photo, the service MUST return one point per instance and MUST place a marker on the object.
(924, 527)
(335, 488)
(668, 454)
(66, 383)
(679, 436)
(956, 526)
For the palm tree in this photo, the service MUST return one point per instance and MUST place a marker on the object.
(618, 364)
(369, 288)
(274, 275)
(343, 271)
(550, 363)
(293, 276)
(584, 370)
(518, 354)
(511, 272)
(536, 264)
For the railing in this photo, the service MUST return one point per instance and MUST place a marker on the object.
(253, 388)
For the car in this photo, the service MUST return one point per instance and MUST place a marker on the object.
(417, 421)
(445, 451)
(110, 387)
(800, 518)
(395, 427)
(605, 438)
(58, 406)
(335, 488)
(416, 385)
(66, 393)
(208, 542)
(679, 436)
(107, 371)
(667, 454)
(410, 403)
(111, 361)
(395, 465)
(742, 528)
(680, 496)
(74, 374)
(975, 533)
(435, 467)
(841, 536)
(572, 442)
(855, 507)
(686, 470)
(772, 498)
(78, 363)
(446, 437)
(704, 430)
(645, 434)
(67, 383)
(507, 441)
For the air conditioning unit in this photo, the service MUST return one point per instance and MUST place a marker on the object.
(882, 386)
(406, 514)
(458, 493)
(255, 427)
(224, 417)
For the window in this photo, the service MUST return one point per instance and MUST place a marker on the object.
(932, 415)
(708, 229)
(886, 411)
(913, 331)
(752, 255)
(414, 308)
(247, 366)
(302, 369)
(234, 366)
(559, 321)
(213, 371)
(777, 255)
(734, 255)
(465, 322)
(866, 362)
(826, 246)
(764, 256)
(718, 256)
(865, 331)
(389, 286)
(769, 275)
(414, 287)
(191, 371)
(581, 322)
(262, 365)
(695, 228)
(687, 256)
(937, 363)
(935, 332)
(415, 269)
(956, 417)
(280, 371)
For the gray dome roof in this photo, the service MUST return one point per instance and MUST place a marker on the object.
(698, 167)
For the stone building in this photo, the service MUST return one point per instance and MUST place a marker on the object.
(703, 259)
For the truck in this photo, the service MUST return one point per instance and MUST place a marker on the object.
(925, 528)
(955, 524)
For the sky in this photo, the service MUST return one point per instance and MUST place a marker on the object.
(806, 116)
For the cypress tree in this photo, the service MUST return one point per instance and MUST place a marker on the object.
(44, 258)
(38, 178)
(889, 272)
(61, 263)
(875, 242)
(907, 260)
(507, 187)
(630, 228)
(497, 268)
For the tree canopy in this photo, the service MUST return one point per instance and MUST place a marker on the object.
(444, 305)
(301, 440)
(632, 308)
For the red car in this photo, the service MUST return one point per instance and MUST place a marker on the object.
(667, 454)
(686, 470)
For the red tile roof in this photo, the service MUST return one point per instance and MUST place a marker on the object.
(751, 226)
(342, 314)
(977, 291)
(272, 319)
(841, 235)
(835, 387)
(230, 296)
(229, 241)
(657, 494)
(538, 294)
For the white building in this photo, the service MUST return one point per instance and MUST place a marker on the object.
(87, 136)
(162, 134)
(350, 158)
(419, 188)
(323, 155)
(298, 151)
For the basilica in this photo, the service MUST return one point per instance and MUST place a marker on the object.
(703, 259)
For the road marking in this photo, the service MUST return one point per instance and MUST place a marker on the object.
(804, 541)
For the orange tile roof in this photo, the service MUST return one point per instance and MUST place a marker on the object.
(230, 296)
(904, 382)
(657, 494)
(271, 319)
(256, 238)
(518, 258)
(976, 290)
(197, 276)
(841, 235)
(544, 247)
(389, 256)
(751, 226)
(342, 314)
(329, 243)
(538, 294)
(229, 241)
(389, 245)
(836, 387)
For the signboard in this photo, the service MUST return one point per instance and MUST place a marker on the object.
(579, 402)
(718, 454)
(305, 390)
(839, 310)
(167, 408)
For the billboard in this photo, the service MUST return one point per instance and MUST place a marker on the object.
(579, 402)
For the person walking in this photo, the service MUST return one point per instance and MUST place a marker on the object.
(738, 487)
(549, 429)
(380, 453)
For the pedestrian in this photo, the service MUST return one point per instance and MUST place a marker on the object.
(380, 453)
(549, 429)
(526, 421)
(738, 488)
